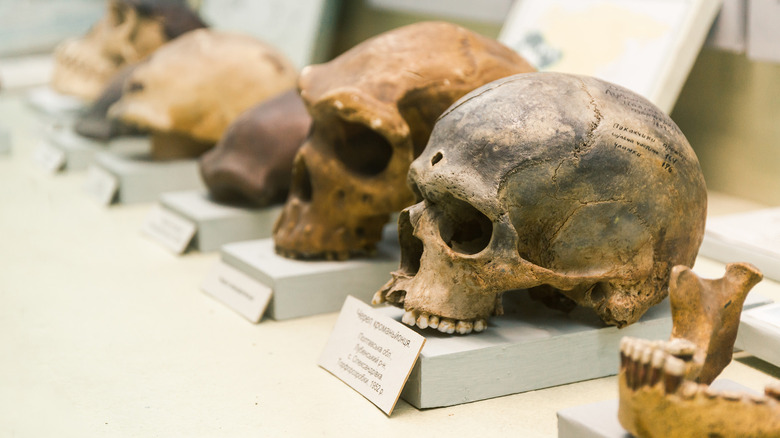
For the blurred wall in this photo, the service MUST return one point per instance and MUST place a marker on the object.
(729, 109)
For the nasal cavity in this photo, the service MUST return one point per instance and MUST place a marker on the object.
(411, 247)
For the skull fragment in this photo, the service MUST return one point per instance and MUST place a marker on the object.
(579, 190)
(373, 109)
(664, 385)
(129, 31)
(192, 88)
(253, 160)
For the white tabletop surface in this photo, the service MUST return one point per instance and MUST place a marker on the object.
(105, 333)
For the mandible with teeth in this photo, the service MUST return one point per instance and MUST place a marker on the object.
(373, 109)
(577, 189)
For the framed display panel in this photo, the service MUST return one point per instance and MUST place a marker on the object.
(647, 46)
(301, 29)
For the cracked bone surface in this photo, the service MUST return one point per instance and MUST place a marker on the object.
(373, 109)
(189, 91)
(577, 189)
(253, 160)
(129, 31)
(664, 385)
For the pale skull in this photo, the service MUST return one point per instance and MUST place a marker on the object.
(129, 31)
(577, 189)
(373, 109)
(191, 89)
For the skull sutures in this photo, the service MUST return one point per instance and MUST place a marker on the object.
(253, 160)
(129, 31)
(373, 109)
(191, 89)
(572, 187)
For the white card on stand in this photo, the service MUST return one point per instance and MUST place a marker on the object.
(245, 295)
(169, 229)
(372, 353)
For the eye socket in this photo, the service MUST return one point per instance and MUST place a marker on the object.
(363, 150)
(464, 228)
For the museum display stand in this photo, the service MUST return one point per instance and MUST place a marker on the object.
(298, 287)
(127, 179)
(214, 224)
(759, 333)
(54, 105)
(62, 149)
(5, 141)
(599, 420)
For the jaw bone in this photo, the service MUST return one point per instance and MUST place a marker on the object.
(664, 385)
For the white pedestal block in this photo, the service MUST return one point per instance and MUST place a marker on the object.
(759, 333)
(600, 419)
(219, 224)
(79, 152)
(139, 179)
(530, 347)
(302, 288)
(55, 105)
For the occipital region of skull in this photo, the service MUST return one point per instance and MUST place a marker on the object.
(577, 189)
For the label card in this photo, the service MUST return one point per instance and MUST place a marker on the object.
(372, 353)
(242, 293)
(101, 184)
(169, 229)
(49, 158)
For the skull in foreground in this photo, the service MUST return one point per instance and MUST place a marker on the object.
(129, 31)
(577, 189)
(191, 89)
(253, 160)
(373, 109)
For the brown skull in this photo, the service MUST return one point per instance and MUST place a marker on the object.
(192, 88)
(373, 109)
(580, 190)
(130, 30)
(253, 159)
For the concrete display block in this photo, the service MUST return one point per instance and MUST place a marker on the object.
(759, 333)
(79, 152)
(140, 179)
(302, 288)
(529, 347)
(219, 224)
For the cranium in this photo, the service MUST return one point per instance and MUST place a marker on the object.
(572, 187)
(373, 109)
(130, 30)
(94, 123)
(191, 89)
(253, 159)
(664, 385)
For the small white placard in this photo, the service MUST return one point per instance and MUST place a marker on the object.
(169, 229)
(372, 353)
(240, 292)
(49, 158)
(101, 184)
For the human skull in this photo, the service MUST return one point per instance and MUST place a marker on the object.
(129, 31)
(253, 159)
(191, 89)
(373, 109)
(577, 189)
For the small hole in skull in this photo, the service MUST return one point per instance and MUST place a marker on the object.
(362, 150)
(366, 198)
(464, 228)
(436, 158)
(340, 195)
(360, 232)
(135, 86)
(300, 186)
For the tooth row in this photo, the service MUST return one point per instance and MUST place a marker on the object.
(445, 325)
(646, 363)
